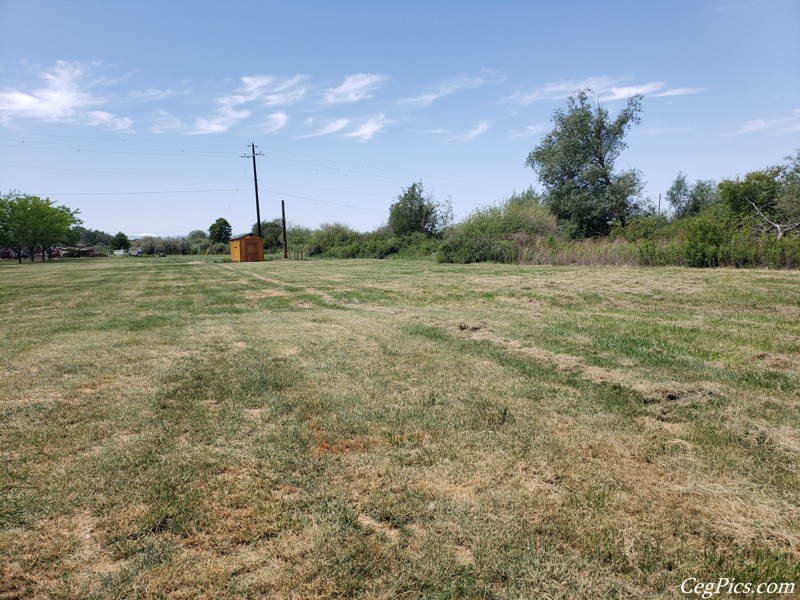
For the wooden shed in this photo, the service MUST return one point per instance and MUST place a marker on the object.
(247, 248)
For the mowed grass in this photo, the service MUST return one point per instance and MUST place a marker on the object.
(390, 429)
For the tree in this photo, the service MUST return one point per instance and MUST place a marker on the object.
(770, 197)
(678, 195)
(575, 163)
(298, 237)
(197, 234)
(30, 222)
(687, 200)
(56, 226)
(91, 237)
(702, 195)
(120, 241)
(220, 232)
(5, 218)
(273, 234)
(414, 212)
(20, 227)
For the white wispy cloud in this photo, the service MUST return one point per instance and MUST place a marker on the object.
(558, 90)
(252, 84)
(678, 92)
(276, 121)
(103, 118)
(64, 97)
(368, 129)
(627, 91)
(790, 124)
(272, 91)
(164, 121)
(150, 95)
(609, 89)
(529, 130)
(59, 100)
(331, 127)
(287, 91)
(354, 88)
(221, 121)
(453, 86)
(264, 89)
(435, 130)
(479, 129)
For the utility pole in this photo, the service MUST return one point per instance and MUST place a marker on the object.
(285, 245)
(253, 154)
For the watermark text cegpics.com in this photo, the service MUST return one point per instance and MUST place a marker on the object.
(723, 585)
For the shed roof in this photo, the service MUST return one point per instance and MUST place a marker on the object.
(244, 235)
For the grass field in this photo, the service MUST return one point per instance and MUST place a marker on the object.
(393, 429)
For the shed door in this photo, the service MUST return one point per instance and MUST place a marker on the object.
(251, 250)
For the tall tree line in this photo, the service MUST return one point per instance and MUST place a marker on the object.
(30, 223)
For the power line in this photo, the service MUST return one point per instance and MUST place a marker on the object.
(326, 202)
(309, 162)
(235, 190)
(142, 193)
(139, 173)
(109, 150)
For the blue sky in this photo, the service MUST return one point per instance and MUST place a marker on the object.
(138, 113)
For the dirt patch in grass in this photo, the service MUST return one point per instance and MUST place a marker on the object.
(776, 361)
(369, 523)
(264, 293)
(650, 391)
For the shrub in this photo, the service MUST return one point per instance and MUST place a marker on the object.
(415, 212)
(706, 237)
(645, 227)
(497, 233)
(331, 236)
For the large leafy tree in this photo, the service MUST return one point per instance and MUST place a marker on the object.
(575, 164)
(690, 199)
(91, 237)
(21, 214)
(272, 231)
(57, 226)
(120, 241)
(414, 212)
(220, 231)
(30, 222)
(769, 197)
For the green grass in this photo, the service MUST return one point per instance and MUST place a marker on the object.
(395, 429)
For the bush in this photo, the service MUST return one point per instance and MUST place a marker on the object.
(645, 227)
(414, 212)
(717, 238)
(331, 238)
(219, 248)
(199, 246)
(706, 239)
(497, 233)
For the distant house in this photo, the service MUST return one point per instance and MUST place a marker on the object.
(248, 247)
(120, 253)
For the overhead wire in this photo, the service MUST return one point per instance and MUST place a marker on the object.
(279, 156)
(276, 156)
(234, 190)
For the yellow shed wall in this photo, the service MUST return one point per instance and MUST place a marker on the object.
(249, 249)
